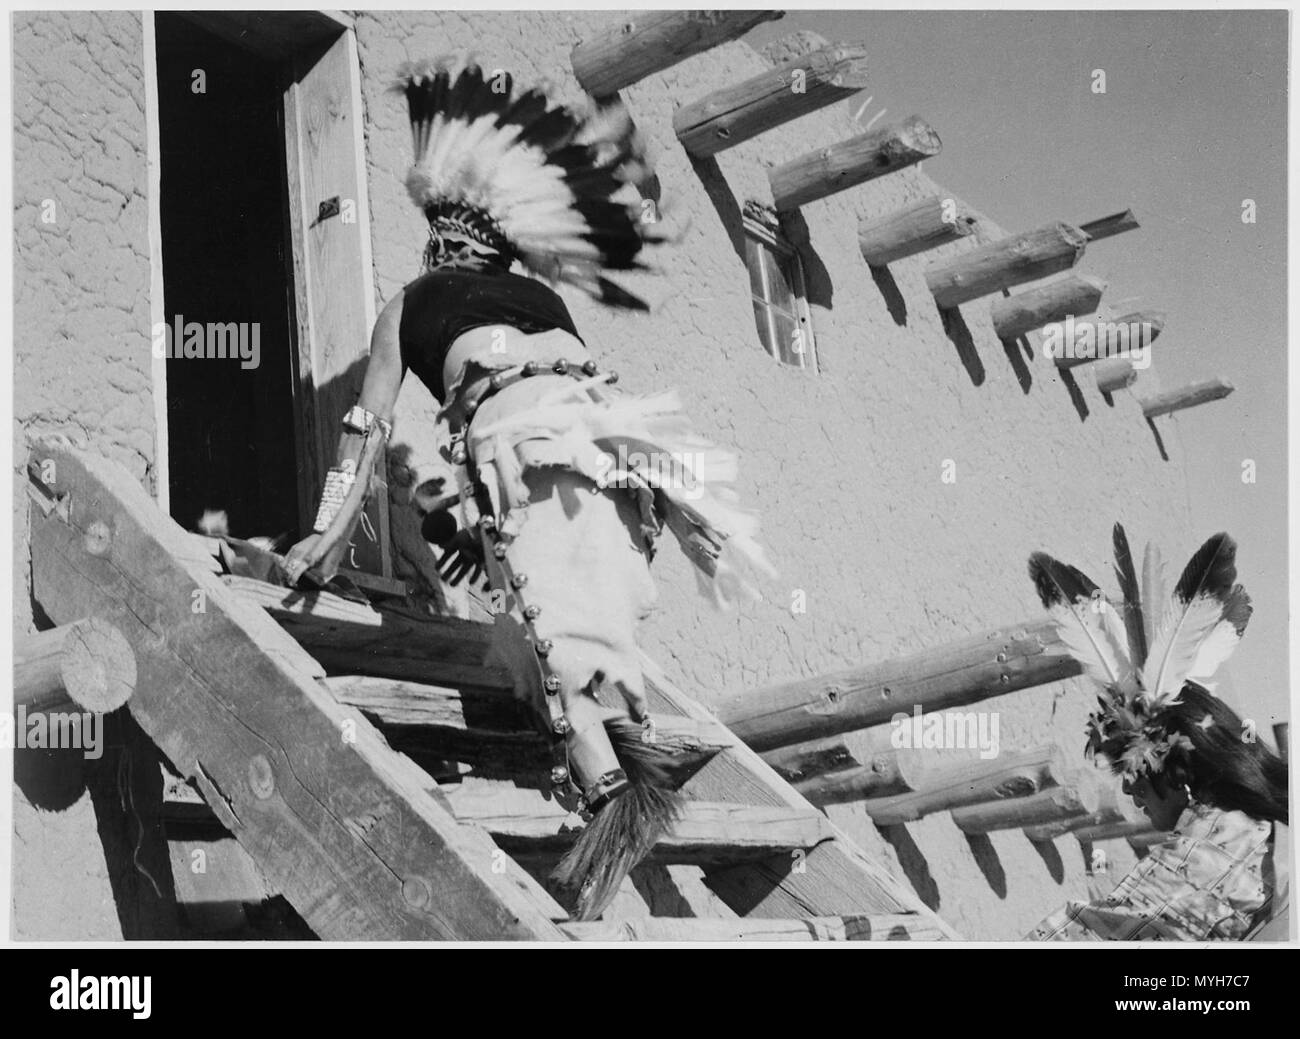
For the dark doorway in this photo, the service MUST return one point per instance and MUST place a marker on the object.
(226, 280)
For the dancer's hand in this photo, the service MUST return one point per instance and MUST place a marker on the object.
(302, 557)
(462, 559)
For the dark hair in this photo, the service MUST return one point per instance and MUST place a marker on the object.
(1228, 767)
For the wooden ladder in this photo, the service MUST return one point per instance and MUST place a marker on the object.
(382, 777)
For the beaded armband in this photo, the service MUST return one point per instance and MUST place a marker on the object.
(359, 420)
(338, 482)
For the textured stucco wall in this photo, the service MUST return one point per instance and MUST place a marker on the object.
(846, 465)
(81, 368)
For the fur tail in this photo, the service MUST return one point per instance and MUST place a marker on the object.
(622, 833)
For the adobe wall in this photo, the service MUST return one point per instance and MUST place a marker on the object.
(81, 368)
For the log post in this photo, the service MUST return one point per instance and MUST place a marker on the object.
(923, 225)
(967, 671)
(855, 161)
(822, 768)
(726, 117)
(1186, 397)
(1015, 776)
(1006, 263)
(1079, 798)
(1024, 312)
(1114, 807)
(1108, 226)
(84, 666)
(650, 41)
(1115, 374)
(1098, 339)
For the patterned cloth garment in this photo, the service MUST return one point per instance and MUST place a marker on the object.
(1214, 879)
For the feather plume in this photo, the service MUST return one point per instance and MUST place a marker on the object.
(1086, 623)
(1126, 575)
(1153, 591)
(548, 175)
(624, 831)
(1202, 623)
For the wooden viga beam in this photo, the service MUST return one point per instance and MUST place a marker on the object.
(1015, 316)
(1109, 226)
(726, 117)
(852, 162)
(646, 42)
(84, 666)
(1185, 397)
(1114, 374)
(1149, 838)
(1006, 263)
(922, 225)
(982, 782)
(1082, 341)
(885, 927)
(1114, 807)
(828, 772)
(340, 824)
(998, 661)
(1079, 797)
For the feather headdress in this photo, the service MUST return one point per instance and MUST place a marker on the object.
(1144, 649)
(524, 176)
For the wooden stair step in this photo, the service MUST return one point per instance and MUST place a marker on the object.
(706, 834)
(880, 928)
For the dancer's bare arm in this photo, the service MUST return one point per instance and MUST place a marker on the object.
(383, 380)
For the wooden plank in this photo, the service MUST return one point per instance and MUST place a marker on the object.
(966, 671)
(390, 641)
(339, 823)
(882, 928)
(532, 825)
(726, 117)
(836, 878)
(324, 151)
(646, 42)
(1109, 226)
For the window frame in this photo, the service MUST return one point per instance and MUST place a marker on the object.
(765, 236)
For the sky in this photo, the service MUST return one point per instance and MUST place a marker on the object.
(1193, 122)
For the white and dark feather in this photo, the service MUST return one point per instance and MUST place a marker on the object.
(1202, 623)
(1088, 625)
(546, 174)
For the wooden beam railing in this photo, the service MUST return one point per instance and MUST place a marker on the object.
(998, 661)
(1006, 263)
(982, 782)
(923, 225)
(1069, 801)
(852, 162)
(1015, 316)
(1185, 397)
(646, 42)
(726, 117)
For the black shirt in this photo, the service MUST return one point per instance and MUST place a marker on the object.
(441, 305)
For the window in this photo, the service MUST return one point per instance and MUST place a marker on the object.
(776, 284)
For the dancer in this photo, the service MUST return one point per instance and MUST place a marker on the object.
(565, 481)
(1187, 759)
